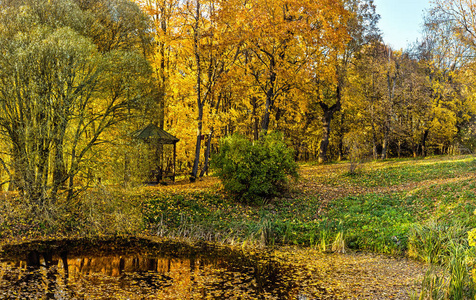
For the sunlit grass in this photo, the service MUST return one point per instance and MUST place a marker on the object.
(397, 173)
(377, 220)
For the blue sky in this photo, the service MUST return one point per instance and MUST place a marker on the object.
(401, 20)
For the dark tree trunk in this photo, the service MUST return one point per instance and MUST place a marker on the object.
(385, 141)
(341, 137)
(5, 167)
(207, 155)
(326, 129)
(255, 122)
(59, 168)
(198, 144)
(162, 80)
(391, 81)
(328, 113)
(270, 94)
(71, 177)
(15, 178)
(374, 132)
(196, 40)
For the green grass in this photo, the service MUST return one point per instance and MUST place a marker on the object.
(395, 173)
(375, 221)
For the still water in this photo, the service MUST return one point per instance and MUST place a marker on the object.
(137, 268)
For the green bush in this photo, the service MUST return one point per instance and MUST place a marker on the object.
(254, 171)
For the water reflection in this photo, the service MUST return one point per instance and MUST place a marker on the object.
(139, 269)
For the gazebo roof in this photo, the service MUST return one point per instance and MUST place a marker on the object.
(154, 132)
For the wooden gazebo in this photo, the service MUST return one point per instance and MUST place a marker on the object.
(152, 133)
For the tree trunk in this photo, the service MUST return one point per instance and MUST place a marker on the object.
(5, 167)
(391, 81)
(255, 117)
(161, 16)
(71, 176)
(196, 46)
(269, 98)
(385, 142)
(341, 138)
(127, 174)
(374, 132)
(207, 154)
(326, 129)
(162, 80)
(15, 176)
(59, 170)
(399, 149)
(326, 124)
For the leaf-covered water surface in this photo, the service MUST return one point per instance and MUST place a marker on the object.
(140, 269)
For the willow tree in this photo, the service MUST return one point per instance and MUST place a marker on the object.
(61, 87)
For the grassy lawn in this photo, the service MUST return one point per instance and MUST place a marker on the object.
(375, 210)
(399, 172)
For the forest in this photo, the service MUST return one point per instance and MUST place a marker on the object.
(124, 119)
(79, 78)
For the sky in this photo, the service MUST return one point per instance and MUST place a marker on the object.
(401, 20)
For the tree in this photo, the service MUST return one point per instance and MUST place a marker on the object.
(446, 55)
(329, 72)
(59, 90)
(459, 14)
(367, 87)
(277, 40)
(202, 40)
(163, 14)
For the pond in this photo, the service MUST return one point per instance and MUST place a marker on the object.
(135, 268)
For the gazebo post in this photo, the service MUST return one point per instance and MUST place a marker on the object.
(175, 156)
